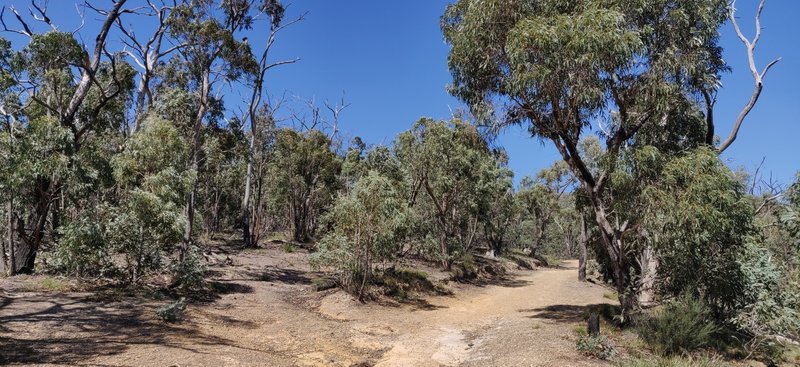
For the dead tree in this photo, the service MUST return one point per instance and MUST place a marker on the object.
(147, 55)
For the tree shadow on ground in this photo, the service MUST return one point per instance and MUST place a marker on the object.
(271, 274)
(572, 313)
(67, 329)
(416, 303)
(501, 281)
(286, 276)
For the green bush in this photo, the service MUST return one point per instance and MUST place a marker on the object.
(172, 312)
(598, 346)
(367, 226)
(190, 273)
(683, 325)
(82, 249)
(288, 247)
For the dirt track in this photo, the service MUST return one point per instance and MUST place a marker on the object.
(267, 315)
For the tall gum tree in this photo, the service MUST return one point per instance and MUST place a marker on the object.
(213, 53)
(62, 86)
(560, 67)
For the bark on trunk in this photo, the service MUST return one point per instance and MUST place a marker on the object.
(246, 231)
(7, 240)
(649, 263)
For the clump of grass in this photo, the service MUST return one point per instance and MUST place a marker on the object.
(687, 361)
(466, 269)
(684, 325)
(552, 260)
(48, 284)
(520, 261)
(54, 285)
(288, 247)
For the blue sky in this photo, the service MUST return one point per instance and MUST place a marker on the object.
(390, 60)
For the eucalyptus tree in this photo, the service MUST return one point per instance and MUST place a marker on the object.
(303, 179)
(453, 175)
(501, 209)
(213, 53)
(65, 93)
(368, 224)
(148, 53)
(559, 67)
(153, 180)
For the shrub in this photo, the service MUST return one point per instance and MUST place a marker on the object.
(288, 247)
(683, 325)
(368, 225)
(403, 283)
(190, 273)
(597, 346)
(154, 183)
(172, 312)
(82, 249)
(465, 269)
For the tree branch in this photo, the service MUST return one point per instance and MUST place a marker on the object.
(758, 77)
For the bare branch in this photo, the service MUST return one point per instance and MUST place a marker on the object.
(26, 31)
(758, 77)
(83, 20)
(282, 62)
(42, 17)
(82, 90)
(336, 110)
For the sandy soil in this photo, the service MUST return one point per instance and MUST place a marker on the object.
(267, 314)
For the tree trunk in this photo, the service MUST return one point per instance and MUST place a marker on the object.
(7, 240)
(583, 254)
(197, 130)
(139, 108)
(246, 234)
(25, 250)
(443, 250)
(615, 247)
(649, 264)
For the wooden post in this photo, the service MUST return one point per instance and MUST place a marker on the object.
(593, 324)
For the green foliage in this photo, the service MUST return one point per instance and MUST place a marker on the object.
(368, 227)
(172, 312)
(453, 179)
(288, 247)
(82, 249)
(681, 326)
(597, 346)
(303, 179)
(789, 222)
(700, 220)
(190, 273)
(546, 213)
(150, 219)
(773, 301)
